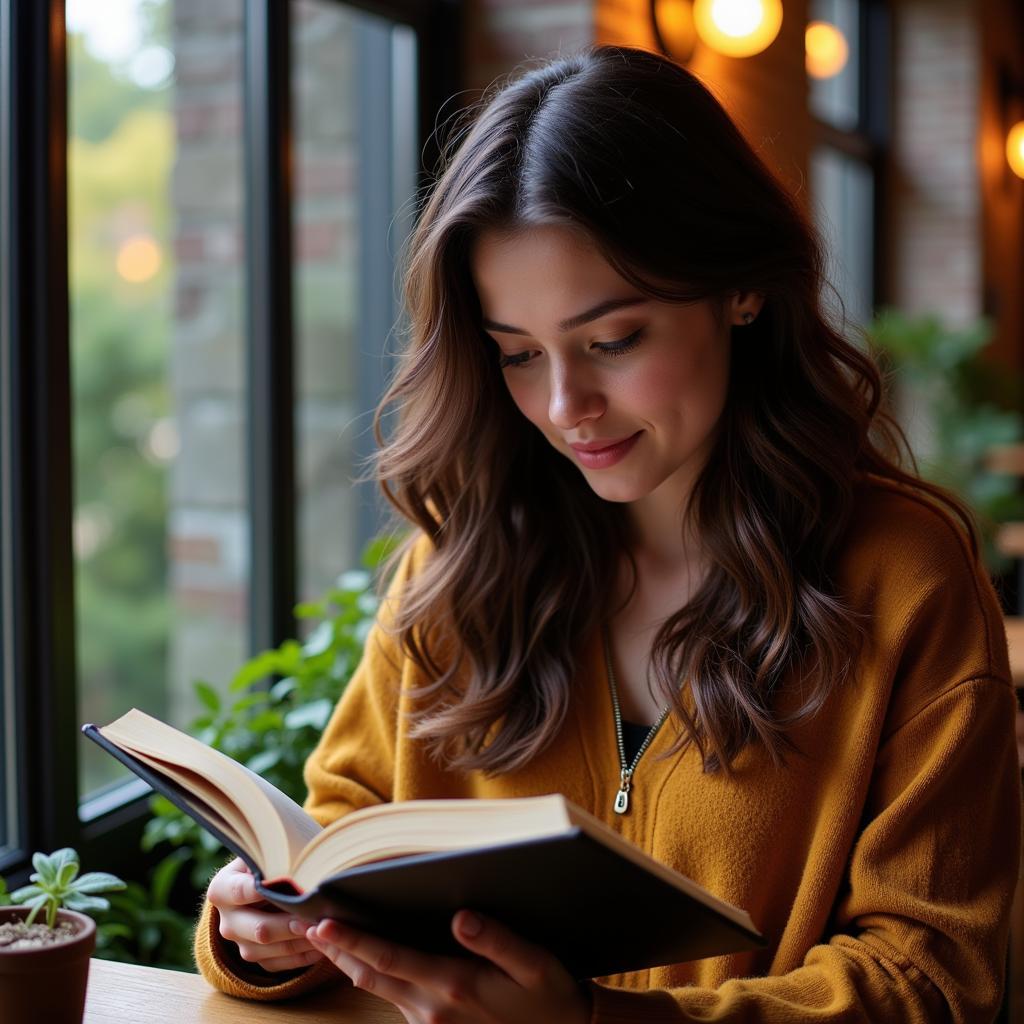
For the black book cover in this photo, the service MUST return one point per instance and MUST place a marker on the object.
(595, 910)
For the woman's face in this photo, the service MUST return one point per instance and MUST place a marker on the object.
(587, 358)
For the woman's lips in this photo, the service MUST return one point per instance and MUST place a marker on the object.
(601, 458)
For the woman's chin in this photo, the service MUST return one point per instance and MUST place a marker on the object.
(621, 491)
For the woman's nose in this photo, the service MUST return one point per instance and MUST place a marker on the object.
(573, 398)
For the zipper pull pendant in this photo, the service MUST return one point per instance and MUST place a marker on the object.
(622, 797)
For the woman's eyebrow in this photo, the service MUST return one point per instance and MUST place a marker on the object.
(595, 313)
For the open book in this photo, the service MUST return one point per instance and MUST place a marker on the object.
(546, 868)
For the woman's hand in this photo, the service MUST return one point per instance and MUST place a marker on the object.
(263, 936)
(521, 983)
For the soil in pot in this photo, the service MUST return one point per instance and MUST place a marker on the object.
(43, 977)
(18, 935)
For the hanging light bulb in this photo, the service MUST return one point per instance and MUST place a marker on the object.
(826, 50)
(737, 28)
(1015, 148)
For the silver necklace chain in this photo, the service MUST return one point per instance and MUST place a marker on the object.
(621, 805)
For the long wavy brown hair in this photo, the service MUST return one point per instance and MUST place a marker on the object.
(634, 150)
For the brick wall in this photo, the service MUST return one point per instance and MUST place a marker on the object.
(933, 212)
(209, 517)
(207, 520)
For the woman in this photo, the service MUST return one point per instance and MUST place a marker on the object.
(655, 495)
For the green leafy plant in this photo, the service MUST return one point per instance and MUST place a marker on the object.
(56, 883)
(966, 406)
(142, 927)
(271, 726)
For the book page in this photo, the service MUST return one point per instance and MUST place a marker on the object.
(385, 831)
(279, 826)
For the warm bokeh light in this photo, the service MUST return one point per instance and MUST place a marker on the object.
(138, 259)
(827, 49)
(1015, 148)
(675, 23)
(738, 28)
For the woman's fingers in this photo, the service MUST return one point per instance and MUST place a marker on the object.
(525, 963)
(259, 929)
(261, 954)
(262, 935)
(382, 956)
(288, 963)
(378, 977)
(233, 886)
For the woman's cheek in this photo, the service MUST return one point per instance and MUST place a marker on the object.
(528, 401)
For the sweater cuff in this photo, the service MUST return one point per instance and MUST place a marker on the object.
(627, 1006)
(219, 962)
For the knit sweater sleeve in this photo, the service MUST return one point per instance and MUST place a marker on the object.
(351, 767)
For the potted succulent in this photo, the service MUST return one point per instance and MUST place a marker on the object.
(44, 963)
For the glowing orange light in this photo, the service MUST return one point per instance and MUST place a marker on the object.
(738, 28)
(1015, 149)
(138, 259)
(826, 48)
(675, 23)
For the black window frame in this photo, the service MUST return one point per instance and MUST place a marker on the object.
(868, 142)
(37, 608)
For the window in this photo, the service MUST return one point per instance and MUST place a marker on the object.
(156, 272)
(351, 215)
(166, 493)
(848, 109)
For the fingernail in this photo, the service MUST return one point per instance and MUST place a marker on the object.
(471, 925)
(297, 927)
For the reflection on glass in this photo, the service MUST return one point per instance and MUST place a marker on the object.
(843, 201)
(154, 102)
(835, 99)
(8, 752)
(355, 150)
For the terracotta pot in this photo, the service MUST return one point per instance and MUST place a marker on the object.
(46, 984)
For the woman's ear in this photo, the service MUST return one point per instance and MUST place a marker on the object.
(744, 307)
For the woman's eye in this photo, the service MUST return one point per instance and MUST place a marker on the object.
(612, 348)
(618, 348)
(517, 360)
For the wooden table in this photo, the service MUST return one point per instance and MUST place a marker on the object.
(130, 994)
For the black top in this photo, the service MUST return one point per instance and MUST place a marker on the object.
(633, 735)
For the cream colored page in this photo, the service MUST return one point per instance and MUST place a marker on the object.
(426, 826)
(208, 800)
(300, 828)
(283, 827)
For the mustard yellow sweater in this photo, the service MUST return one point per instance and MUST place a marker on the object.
(880, 867)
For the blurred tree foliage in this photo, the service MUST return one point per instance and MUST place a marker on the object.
(120, 152)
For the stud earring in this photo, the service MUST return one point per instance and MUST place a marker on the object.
(748, 318)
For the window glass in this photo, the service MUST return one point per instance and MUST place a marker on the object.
(836, 98)
(156, 280)
(353, 101)
(843, 191)
(8, 750)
